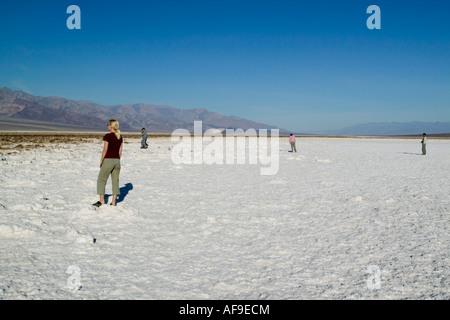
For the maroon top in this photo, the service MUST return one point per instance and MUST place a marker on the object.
(113, 145)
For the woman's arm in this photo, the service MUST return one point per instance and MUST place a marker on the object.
(105, 149)
(120, 150)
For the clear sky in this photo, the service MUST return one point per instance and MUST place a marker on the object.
(306, 66)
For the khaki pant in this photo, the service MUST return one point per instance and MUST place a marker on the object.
(293, 148)
(109, 167)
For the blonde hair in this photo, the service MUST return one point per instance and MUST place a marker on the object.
(115, 125)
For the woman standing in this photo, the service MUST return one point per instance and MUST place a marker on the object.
(292, 142)
(110, 163)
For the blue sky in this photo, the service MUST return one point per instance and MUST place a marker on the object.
(306, 66)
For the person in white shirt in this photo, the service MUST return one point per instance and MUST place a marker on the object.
(424, 144)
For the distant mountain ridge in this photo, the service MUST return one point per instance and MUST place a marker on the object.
(20, 110)
(132, 117)
(394, 128)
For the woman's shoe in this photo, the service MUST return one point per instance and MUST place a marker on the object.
(97, 204)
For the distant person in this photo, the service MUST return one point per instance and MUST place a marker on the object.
(110, 163)
(144, 144)
(292, 142)
(424, 144)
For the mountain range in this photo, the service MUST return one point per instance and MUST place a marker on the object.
(21, 110)
(394, 129)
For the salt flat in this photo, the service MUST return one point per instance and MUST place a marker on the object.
(341, 219)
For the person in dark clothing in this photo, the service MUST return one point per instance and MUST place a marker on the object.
(424, 144)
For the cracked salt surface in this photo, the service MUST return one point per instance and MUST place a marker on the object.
(311, 231)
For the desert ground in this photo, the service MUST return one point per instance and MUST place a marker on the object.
(343, 218)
